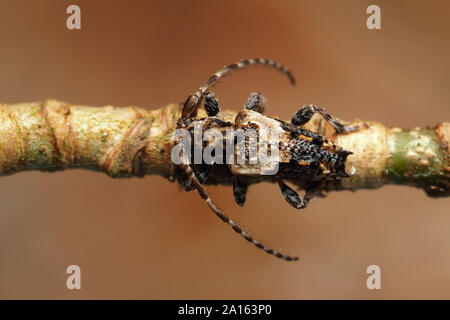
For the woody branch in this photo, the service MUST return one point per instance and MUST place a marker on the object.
(131, 141)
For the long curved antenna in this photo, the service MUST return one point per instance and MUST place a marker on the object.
(243, 64)
(222, 216)
(194, 100)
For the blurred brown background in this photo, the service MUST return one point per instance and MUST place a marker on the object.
(144, 238)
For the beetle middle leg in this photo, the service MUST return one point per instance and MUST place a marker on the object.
(239, 191)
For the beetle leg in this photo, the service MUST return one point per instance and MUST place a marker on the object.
(239, 191)
(291, 196)
(212, 105)
(305, 114)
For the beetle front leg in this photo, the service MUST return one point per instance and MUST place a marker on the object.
(212, 105)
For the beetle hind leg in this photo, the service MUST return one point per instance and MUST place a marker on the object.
(305, 114)
(293, 198)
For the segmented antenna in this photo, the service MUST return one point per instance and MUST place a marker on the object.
(193, 101)
(222, 216)
(242, 64)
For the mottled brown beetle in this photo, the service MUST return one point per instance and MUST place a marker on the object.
(303, 155)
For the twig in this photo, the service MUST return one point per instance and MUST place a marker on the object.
(126, 142)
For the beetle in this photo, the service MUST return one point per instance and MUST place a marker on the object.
(302, 154)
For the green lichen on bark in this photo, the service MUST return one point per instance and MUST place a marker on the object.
(419, 159)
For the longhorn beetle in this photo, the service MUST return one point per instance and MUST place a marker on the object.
(303, 155)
